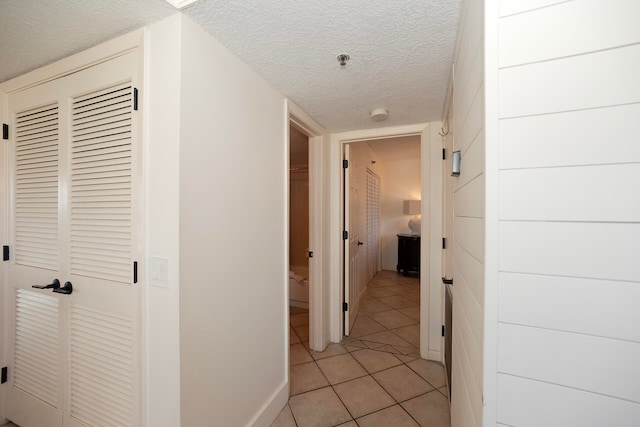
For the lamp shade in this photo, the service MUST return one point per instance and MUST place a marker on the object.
(411, 207)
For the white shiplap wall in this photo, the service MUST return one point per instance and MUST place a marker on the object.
(469, 220)
(569, 202)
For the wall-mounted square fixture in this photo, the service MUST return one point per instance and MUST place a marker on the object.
(455, 163)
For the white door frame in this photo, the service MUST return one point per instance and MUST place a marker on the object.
(431, 310)
(318, 336)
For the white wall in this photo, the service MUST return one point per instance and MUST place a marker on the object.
(233, 263)
(400, 181)
(469, 221)
(161, 107)
(569, 213)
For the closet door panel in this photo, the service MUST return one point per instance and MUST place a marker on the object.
(103, 345)
(35, 392)
(76, 355)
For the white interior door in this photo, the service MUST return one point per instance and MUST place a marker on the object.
(75, 358)
(352, 243)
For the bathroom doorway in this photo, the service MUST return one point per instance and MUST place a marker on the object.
(299, 251)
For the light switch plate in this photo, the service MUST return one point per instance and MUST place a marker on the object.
(159, 272)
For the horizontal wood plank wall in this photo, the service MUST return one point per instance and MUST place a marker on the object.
(569, 281)
(468, 223)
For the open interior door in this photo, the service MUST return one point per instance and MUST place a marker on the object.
(351, 242)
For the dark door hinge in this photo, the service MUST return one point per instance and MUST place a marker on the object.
(4, 375)
(442, 330)
(5, 131)
(5, 253)
(310, 254)
(345, 164)
(444, 243)
(444, 154)
(345, 306)
(135, 271)
(345, 235)
(135, 99)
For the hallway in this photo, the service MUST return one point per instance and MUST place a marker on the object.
(372, 378)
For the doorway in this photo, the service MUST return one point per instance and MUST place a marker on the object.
(431, 296)
(380, 174)
(303, 127)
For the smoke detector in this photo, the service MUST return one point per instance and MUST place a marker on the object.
(379, 114)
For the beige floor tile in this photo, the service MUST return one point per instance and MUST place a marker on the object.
(405, 358)
(298, 354)
(388, 349)
(394, 416)
(402, 383)
(349, 424)
(305, 377)
(374, 345)
(431, 371)
(363, 396)
(373, 306)
(299, 319)
(332, 349)
(285, 418)
(351, 349)
(406, 350)
(318, 408)
(410, 333)
(378, 292)
(398, 301)
(303, 332)
(386, 337)
(430, 410)
(392, 319)
(293, 337)
(374, 361)
(444, 391)
(383, 281)
(341, 368)
(364, 325)
(354, 343)
(412, 312)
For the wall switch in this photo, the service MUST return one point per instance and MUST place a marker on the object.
(159, 272)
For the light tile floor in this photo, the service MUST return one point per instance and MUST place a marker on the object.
(374, 377)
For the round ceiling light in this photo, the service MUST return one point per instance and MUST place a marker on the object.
(379, 114)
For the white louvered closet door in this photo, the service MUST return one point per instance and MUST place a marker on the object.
(74, 219)
(373, 224)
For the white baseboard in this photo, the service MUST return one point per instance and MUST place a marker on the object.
(270, 410)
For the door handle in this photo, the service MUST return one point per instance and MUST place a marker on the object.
(53, 285)
(66, 289)
(360, 243)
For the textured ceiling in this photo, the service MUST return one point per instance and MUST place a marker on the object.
(34, 33)
(401, 51)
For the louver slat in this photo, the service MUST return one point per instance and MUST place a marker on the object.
(101, 184)
(102, 376)
(36, 341)
(36, 187)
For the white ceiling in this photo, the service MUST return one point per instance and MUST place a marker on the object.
(401, 51)
(394, 149)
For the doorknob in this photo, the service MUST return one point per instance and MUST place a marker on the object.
(360, 243)
(66, 289)
(53, 285)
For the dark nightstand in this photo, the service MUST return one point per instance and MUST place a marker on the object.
(409, 254)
